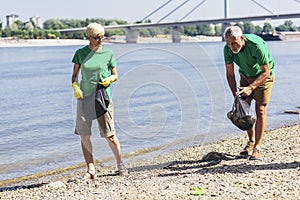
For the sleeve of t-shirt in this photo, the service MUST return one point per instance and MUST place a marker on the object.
(112, 63)
(261, 53)
(228, 57)
(76, 59)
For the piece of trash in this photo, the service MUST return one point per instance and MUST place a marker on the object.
(197, 190)
(292, 111)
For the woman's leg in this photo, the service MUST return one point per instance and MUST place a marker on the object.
(87, 150)
(114, 144)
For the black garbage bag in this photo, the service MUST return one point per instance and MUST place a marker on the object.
(96, 104)
(241, 114)
(101, 100)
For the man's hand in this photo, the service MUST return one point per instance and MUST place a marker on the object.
(245, 91)
(77, 90)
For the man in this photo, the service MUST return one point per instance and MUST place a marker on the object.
(256, 69)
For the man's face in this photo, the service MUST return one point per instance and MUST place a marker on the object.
(235, 44)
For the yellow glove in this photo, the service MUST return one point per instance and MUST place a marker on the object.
(77, 90)
(106, 82)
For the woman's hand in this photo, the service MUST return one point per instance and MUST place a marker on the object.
(77, 90)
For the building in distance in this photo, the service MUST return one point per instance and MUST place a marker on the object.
(10, 19)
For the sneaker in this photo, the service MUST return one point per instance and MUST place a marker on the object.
(256, 155)
(89, 175)
(248, 148)
(122, 169)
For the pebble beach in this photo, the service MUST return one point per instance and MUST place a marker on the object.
(213, 168)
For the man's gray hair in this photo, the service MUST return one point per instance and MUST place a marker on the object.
(234, 31)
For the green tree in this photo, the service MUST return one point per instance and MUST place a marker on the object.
(86, 22)
(19, 24)
(13, 27)
(190, 30)
(249, 27)
(155, 31)
(6, 32)
(218, 30)
(282, 28)
(145, 32)
(288, 23)
(205, 29)
(53, 24)
(1, 29)
(258, 30)
(29, 26)
(287, 26)
(267, 28)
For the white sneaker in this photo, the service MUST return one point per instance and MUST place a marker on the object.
(122, 169)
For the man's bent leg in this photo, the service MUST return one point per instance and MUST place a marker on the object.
(251, 132)
(261, 122)
(251, 137)
(250, 144)
(260, 126)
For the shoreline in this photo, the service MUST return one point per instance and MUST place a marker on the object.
(6, 42)
(172, 174)
(9, 42)
(136, 153)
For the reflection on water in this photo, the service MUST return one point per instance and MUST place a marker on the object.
(165, 93)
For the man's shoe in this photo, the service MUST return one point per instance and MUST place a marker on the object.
(247, 150)
(256, 155)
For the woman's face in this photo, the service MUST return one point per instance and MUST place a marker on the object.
(235, 43)
(97, 39)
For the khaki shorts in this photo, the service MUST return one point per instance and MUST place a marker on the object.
(105, 122)
(262, 93)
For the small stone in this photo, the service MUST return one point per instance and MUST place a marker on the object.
(57, 184)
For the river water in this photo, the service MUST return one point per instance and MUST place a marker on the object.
(165, 93)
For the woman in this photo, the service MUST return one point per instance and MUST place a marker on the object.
(96, 62)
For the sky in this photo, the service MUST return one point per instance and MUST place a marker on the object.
(135, 10)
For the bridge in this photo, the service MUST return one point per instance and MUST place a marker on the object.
(132, 30)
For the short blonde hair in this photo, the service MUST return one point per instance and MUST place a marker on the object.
(234, 31)
(94, 29)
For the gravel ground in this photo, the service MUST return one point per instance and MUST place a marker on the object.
(171, 175)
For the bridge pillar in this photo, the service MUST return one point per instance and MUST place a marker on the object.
(176, 34)
(132, 35)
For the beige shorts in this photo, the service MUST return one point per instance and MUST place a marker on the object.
(105, 122)
(262, 93)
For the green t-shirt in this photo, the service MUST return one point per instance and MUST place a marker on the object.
(94, 66)
(250, 59)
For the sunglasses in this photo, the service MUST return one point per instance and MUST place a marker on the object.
(98, 38)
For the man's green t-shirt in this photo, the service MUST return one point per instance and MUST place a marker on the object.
(94, 66)
(250, 58)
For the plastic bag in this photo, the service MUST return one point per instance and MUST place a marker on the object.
(96, 104)
(241, 114)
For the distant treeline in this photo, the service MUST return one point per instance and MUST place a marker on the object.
(29, 30)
